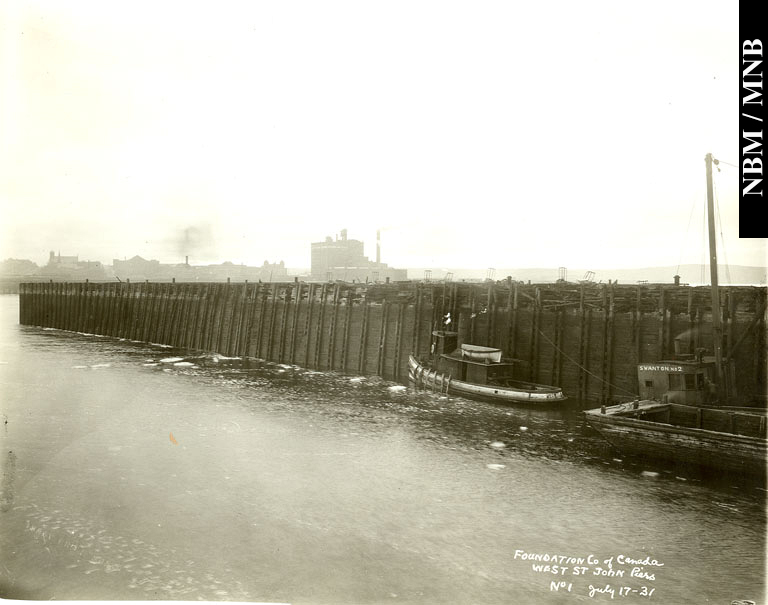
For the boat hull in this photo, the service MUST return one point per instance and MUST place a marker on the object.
(539, 395)
(704, 448)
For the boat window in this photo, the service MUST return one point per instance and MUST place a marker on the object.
(676, 382)
(700, 383)
(649, 383)
(690, 382)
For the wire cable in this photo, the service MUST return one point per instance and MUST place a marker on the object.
(685, 239)
(722, 239)
(577, 364)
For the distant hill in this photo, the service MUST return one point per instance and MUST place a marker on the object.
(689, 274)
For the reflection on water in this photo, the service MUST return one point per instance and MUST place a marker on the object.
(134, 471)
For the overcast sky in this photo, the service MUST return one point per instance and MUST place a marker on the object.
(474, 134)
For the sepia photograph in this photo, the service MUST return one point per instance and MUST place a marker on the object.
(365, 303)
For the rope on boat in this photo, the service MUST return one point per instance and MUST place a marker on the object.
(573, 361)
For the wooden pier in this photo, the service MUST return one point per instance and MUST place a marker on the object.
(586, 338)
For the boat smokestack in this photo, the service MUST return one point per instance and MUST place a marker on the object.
(186, 260)
(378, 246)
(677, 280)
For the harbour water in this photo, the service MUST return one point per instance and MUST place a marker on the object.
(135, 471)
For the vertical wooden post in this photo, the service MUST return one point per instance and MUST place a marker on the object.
(65, 301)
(215, 322)
(512, 336)
(159, 312)
(442, 312)
(168, 314)
(178, 314)
(382, 337)
(127, 310)
(118, 310)
(534, 339)
(184, 319)
(272, 313)
(62, 302)
(209, 316)
(50, 305)
(86, 308)
(319, 329)
(55, 305)
(157, 302)
(308, 322)
(731, 314)
(122, 327)
(107, 319)
(41, 304)
(284, 322)
(97, 299)
(295, 321)
(221, 309)
(416, 341)
(241, 321)
(689, 348)
(251, 319)
(455, 312)
(557, 358)
(604, 345)
(195, 301)
(332, 328)
(489, 316)
(142, 310)
(345, 338)
(135, 311)
(363, 336)
(398, 339)
(31, 303)
(234, 307)
(76, 300)
(472, 314)
(608, 377)
(586, 331)
(758, 348)
(55, 315)
(662, 325)
(262, 313)
(173, 294)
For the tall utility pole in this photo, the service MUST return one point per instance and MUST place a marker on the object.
(717, 328)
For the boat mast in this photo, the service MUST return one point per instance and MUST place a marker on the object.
(716, 324)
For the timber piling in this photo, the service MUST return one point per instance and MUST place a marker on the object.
(586, 338)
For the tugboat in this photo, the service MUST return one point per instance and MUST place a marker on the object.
(689, 412)
(476, 372)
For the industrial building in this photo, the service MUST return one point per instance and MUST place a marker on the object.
(343, 259)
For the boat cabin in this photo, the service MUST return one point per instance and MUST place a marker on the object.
(689, 382)
(469, 363)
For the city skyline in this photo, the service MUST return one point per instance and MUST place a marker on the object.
(467, 137)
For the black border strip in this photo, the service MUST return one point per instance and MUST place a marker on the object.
(752, 221)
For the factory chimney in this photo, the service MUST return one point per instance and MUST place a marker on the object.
(378, 246)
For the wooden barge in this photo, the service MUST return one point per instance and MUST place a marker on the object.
(733, 441)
